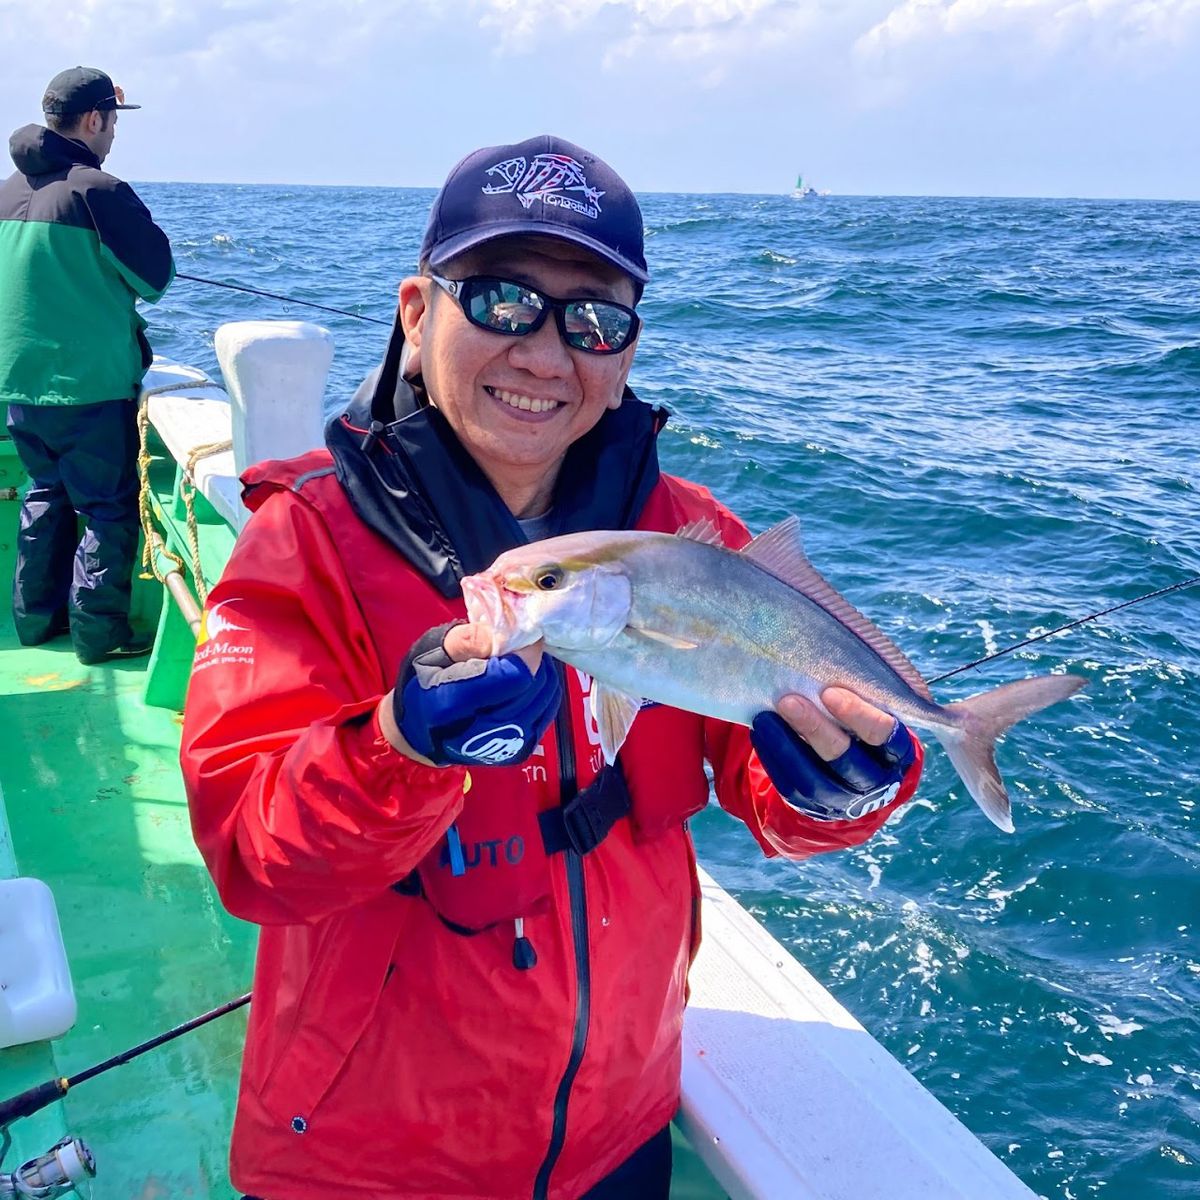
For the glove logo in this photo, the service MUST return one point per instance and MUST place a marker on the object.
(496, 746)
(872, 801)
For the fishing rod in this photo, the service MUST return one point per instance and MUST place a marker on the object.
(237, 287)
(1174, 587)
(37, 1097)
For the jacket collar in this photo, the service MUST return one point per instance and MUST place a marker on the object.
(37, 150)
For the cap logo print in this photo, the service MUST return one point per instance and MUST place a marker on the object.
(548, 178)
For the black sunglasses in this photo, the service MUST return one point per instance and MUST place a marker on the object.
(514, 309)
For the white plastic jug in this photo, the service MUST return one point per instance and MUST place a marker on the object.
(37, 1000)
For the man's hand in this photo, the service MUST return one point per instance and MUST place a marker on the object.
(823, 770)
(454, 704)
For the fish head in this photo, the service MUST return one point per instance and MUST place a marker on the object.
(564, 590)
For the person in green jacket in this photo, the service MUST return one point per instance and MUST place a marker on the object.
(77, 250)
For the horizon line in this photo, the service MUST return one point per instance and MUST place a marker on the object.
(785, 194)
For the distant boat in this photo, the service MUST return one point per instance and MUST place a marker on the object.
(803, 191)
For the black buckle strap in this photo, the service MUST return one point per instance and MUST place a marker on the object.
(584, 821)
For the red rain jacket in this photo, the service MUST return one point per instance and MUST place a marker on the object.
(389, 1055)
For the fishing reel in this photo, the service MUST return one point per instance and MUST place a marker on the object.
(55, 1173)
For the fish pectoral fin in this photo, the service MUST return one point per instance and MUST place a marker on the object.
(667, 639)
(614, 712)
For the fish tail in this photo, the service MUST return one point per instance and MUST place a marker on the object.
(980, 720)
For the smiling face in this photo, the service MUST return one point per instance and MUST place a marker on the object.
(516, 403)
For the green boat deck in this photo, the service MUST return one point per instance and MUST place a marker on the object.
(95, 808)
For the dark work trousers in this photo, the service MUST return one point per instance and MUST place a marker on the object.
(644, 1175)
(82, 463)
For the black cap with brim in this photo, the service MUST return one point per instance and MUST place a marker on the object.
(79, 90)
(545, 186)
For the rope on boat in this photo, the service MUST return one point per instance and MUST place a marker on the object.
(153, 542)
(179, 385)
(187, 490)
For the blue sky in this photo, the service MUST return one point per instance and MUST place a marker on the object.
(934, 97)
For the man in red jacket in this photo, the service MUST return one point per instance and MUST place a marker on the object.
(475, 935)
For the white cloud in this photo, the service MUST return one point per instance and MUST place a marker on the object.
(718, 40)
(1043, 28)
(725, 29)
(969, 50)
(879, 93)
(685, 29)
(700, 28)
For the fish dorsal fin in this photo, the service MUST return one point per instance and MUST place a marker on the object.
(613, 712)
(780, 552)
(701, 530)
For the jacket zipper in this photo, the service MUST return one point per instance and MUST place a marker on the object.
(583, 989)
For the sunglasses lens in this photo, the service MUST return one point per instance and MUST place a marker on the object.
(503, 307)
(596, 326)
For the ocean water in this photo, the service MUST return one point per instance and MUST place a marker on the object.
(985, 413)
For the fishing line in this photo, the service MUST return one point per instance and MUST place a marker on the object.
(38, 1097)
(237, 287)
(1175, 587)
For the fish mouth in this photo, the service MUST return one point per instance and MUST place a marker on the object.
(488, 605)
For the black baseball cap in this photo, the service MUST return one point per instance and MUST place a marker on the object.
(545, 185)
(82, 90)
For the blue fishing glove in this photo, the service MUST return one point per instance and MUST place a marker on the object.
(861, 780)
(482, 712)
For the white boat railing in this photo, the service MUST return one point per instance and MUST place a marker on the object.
(785, 1094)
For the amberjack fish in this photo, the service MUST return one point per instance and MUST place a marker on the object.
(683, 620)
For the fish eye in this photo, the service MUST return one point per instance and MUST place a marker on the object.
(547, 579)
